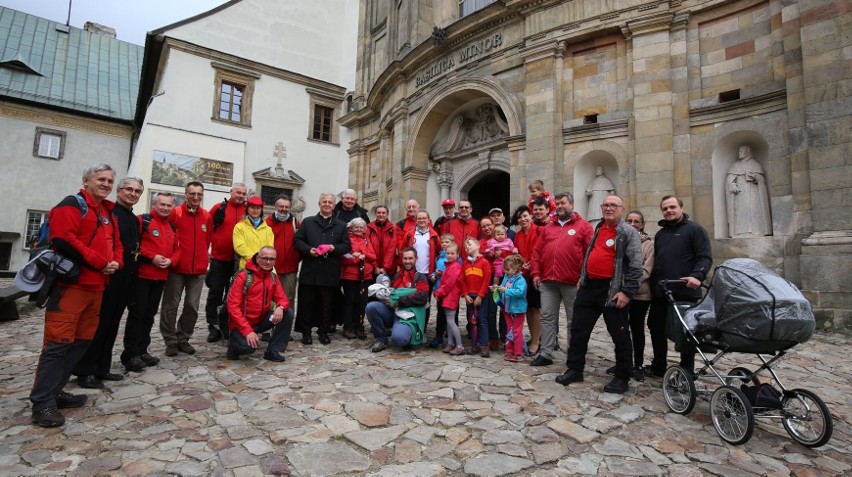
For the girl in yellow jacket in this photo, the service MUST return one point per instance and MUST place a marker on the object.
(252, 233)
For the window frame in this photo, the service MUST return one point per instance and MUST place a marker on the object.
(477, 5)
(41, 132)
(235, 77)
(331, 102)
(27, 238)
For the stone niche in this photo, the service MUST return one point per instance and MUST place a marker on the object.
(584, 174)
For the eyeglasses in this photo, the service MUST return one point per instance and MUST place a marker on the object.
(611, 206)
(464, 207)
(266, 259)
(131, 190)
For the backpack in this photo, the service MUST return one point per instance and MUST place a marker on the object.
(42, 240)
(222, 312)
(219, 215)
(146, 222)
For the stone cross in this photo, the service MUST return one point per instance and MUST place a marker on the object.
(279, 153)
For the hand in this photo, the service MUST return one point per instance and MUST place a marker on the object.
(167, 262)
(252, 339)
(478, 301)
(536, 282)
(277, 315)
(621, 300)
(469, 300)
(110, 268)
(378, 271)
(501, 289)
(314, 252)
(691, 282)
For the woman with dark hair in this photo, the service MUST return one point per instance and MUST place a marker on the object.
(638, 306)
(525, 240)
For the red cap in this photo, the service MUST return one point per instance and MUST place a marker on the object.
(448, 202)
(255, 201)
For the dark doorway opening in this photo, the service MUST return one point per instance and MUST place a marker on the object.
(5, 255)
(491, 190)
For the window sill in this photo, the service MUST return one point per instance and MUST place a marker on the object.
(231, 123)
(327, 143)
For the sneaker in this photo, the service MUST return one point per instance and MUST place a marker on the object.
(610, 371)
(437, 342)
(135, 364)
(274, 356)
(65, 400)
(171, 350)
(570, 376)
(448, 348)
(484, 352)
(185, 348)
(651, 372)
(48, 417)
(541, 361)
(458, 350)
(616, 386)
(514, 358)
(639, 374)
(151, 360)
(378, 346)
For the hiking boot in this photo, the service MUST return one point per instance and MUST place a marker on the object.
(171, 350)
(616, 386)
(214, 335)
(274, 356)
(65, 400)
(448, 348)
(651, 372)
(484, 352)
(541, 361)
(135, 364)
(436, 342)
(48, 417)
(378, 346)
(185, 348)
(639, 374)
(570, 376)
(151, 360)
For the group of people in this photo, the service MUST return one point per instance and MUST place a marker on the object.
(251, 265)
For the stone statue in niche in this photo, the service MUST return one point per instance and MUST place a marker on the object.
(748, 197)
(599, 188)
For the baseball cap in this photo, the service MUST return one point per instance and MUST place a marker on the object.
(495, 209)
(448, 202)
(255, 201)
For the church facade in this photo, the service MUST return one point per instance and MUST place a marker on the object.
(740, 108)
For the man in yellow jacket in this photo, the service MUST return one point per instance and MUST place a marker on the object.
(252, 233)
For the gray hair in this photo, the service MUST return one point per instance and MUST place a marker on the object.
(326, 194)
(90, 171)
(356, 222)
(567, 195)
(348, 192)
(126, 180)
(239, 185)
(163, 194)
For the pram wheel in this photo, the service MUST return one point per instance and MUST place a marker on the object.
(679, 390)
(806, 418)
(747, 377)
(732, 415)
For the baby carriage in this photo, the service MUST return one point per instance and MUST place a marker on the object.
(747, 309)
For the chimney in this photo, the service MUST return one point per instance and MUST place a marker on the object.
(99, 29)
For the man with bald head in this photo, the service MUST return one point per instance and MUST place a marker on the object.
(609, 278)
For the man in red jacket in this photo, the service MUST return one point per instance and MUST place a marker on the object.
(464, 225)
(284, 226)
(187, 274)
(384, 237)
(158, 252)
(250, 301)
(71, 316)
(555, 268)
(220, 225)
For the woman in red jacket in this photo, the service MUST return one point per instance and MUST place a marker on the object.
(356, 270)
(525, 239)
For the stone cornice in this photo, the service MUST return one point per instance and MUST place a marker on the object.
(542, 50)
(590, 132)
(648, 24)
(412, 172)
(741, 108)
(64, 120)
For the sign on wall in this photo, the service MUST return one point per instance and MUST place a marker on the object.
(174, 169)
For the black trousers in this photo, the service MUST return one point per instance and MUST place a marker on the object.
(657, 326)
(590, 303)
(217, 280)
(637, 310)
(278, 342)
(98, 358)
(316, 305)
(354, 302)
(140, 319)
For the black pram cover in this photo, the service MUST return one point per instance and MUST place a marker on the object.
(756, 310)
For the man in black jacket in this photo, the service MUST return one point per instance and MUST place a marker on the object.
(681, 252)
(348, 208)
(321, 240)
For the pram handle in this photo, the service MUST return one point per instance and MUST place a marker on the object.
(664, 284)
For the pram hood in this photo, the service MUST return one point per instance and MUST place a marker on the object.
(757, 309)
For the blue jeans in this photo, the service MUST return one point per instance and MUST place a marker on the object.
(382, 317)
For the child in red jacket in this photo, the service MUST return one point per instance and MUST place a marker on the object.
(448, 294)
(477, 273)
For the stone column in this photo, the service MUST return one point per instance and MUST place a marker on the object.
(445, 179)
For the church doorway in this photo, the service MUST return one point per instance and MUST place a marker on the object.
(491, 190)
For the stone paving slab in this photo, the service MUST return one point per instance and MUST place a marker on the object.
(342, 410)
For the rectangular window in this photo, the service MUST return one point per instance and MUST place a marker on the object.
(322, 123)
(231, 102)
(466, 7)
(49, 143)
(34, 220)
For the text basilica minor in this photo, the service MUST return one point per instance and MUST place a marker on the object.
(469, 52)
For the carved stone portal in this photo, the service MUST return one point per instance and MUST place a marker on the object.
(484, 127)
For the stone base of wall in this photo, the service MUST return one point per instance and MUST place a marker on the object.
(826, 263)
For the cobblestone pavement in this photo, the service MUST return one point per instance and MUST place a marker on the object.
(342, 410)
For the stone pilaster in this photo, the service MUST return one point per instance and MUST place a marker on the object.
(542, 93)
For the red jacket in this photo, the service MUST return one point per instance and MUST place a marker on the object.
(525, 243)
(462, 229)
(284, 232)
(222, 237)
(91, 241)
(434, 246)
(384, 239)
(247, 309)
(449, 293)
(193, 240)
(558, 254)
(159, 239)
(477, 276)
(551, 204)
(349, 265)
